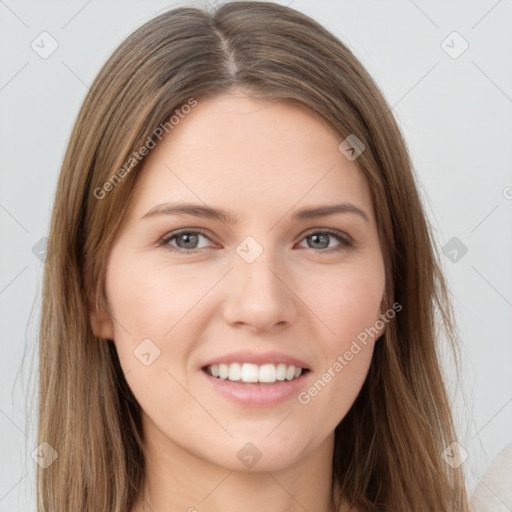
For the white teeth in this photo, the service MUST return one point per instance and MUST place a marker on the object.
(281, 371)
(223, 371)
(235, 372)
(248, 372)
(267, 373)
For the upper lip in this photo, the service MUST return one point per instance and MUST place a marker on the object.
(249, 356)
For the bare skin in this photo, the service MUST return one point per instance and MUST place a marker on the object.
(307, 295)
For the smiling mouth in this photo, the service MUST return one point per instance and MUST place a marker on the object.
(248, 373)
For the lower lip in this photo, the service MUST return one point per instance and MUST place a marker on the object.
(254, 394)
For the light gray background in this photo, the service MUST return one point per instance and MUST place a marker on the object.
(454, 112)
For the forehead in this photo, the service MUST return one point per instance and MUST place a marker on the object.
(246, 154)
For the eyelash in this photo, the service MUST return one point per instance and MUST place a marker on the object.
(346, 242)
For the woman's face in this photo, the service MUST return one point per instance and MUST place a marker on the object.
(263, 285)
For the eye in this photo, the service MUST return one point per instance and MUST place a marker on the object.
(186, 240)
(320, 240)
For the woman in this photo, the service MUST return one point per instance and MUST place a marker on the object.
(243, 305)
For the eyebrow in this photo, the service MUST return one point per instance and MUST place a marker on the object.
(224, 216)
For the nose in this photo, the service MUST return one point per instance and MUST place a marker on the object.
(260, 294)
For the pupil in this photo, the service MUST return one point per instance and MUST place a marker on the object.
(316, 237)
(187, 237)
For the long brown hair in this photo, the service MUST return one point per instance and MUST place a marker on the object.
(388, 447)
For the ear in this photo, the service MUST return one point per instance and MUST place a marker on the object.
(99, 316)
(101, 323)
(386, 302)
(384, 307)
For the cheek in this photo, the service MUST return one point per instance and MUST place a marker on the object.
(149, 298)
(349, 304)
(159, 313)
(149, 306)
(348, 301)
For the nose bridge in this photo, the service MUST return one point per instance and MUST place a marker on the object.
(258, 293)
(256, 266)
